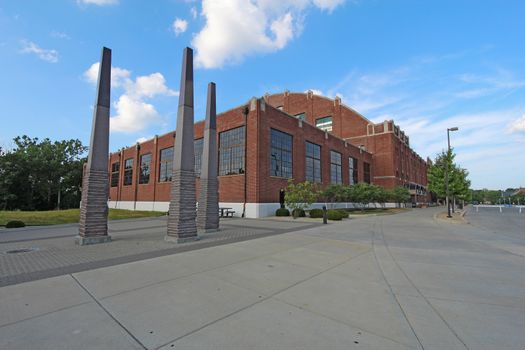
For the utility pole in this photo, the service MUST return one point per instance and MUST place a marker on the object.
(447, 170)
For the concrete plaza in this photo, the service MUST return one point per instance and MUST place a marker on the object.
(404, 281)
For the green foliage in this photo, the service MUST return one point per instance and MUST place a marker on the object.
(298, 213)
(300, 195)
(459, 183)
(361, 193)
(344, 213)
(334, 193)
(399, 195)
(15, 224)
(32, 174)
(334, 214)
(316, 213)
(282, 212)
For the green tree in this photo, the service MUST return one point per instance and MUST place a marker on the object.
(457, 177)
(334, 193)
(399, 195)
(361, 193)
(300, 195)
(34, 171)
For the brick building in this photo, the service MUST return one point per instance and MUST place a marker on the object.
(265, 142)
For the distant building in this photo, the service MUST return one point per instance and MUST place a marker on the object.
(267, 141)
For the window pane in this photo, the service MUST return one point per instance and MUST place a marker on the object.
(280, 154)
(145, 163)
(115, 167)
(324, 123)
(231, 151)
(313, 162)
(198, 146)
(166, 164)
(335, 167)
(128, 172)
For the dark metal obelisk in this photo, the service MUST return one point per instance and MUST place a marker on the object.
(182, 210)
(208, 210)
(94, 211)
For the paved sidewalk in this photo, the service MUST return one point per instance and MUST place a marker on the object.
(54, 252)
(403, 281)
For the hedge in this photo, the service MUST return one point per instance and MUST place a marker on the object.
(316, 213)
(282, 212)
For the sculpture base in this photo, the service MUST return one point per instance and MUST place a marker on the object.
(83, 240)
(176, 239)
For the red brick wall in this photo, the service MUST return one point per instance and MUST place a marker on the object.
(392, 162)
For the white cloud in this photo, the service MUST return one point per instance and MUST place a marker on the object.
(60, 35)
(44, 54)
(133, 113)
(328, 5)
(316, 92)
(119, 76)
(518, 125)
(194, 12)
(179, 26)
(235, 29)
(143, 139)
(150, 86)
(98, 2)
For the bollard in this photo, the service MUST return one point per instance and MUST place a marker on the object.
(477, 208)
(500, 210)
(325, 218)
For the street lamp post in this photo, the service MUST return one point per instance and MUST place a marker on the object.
(446, 169)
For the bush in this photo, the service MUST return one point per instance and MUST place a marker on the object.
(334, 214)
(344, 213)
(298, 213)
(316, 213)
(15, 224)
(282, 212)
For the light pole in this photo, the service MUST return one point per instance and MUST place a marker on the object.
(446, 169)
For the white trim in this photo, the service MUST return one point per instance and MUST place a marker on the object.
(253, 210)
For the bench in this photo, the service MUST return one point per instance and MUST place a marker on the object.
(229, 213)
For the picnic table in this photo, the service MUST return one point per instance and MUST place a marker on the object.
(225, 212)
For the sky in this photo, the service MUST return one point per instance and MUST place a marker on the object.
(428, 65)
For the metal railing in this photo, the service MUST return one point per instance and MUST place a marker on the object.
(500, 206)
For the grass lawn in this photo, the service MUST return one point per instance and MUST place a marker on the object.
(54, 217)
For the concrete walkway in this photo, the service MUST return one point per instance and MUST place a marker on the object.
(402, 281)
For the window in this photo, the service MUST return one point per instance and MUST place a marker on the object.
(300, 116)
(128, 172)
(145, 168)
(313, 162)
(352, 170)
(115, 171)
(166, 164)
(198, 145)
(280, 154)
(335, 168)
(366, 171)
(324, 123)
(231, 151)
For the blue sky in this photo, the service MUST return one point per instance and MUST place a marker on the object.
(428, 65)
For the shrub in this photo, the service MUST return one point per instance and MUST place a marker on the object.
(344, 213)
(316, 213)
(334, 215)
(15, 223)
(298, 213)
(282, 212)
(300, 195)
